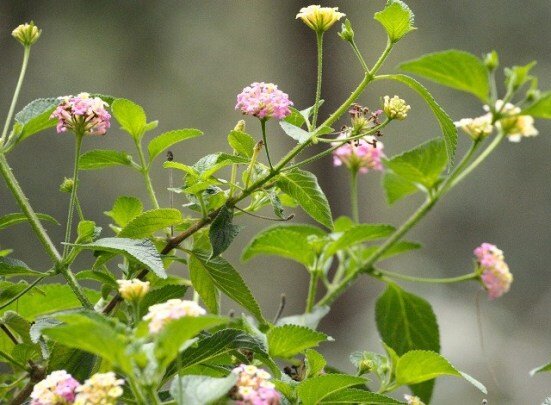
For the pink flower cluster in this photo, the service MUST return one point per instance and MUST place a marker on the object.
(495, 276)
(82, 114)
(58, 388)
(253, 387)
(264, 100)
(363, 154)
(161, 314)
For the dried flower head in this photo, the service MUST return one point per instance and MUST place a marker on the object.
(58, 388)
(361, 155)
(515, 126)
(161, 314)
(395, 108)
(27, 33)
(495, 274)
(264, 101)
(82, 114)
(476, 128)
(253, 387)
(319, 18)
(133, 290)
(100, 389)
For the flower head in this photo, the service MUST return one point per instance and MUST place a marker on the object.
(476, 128)
(161, 314)
(363, 154)
(82, 114)
(495, 274)
(58, 388)
(100, 389)
(515, 126)
(133, 290)
(319, 18)
(413, 400)
(395, 108)
(253, 387)
(27, 33)
(264, 101)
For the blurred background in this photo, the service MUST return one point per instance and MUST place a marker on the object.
(185, 61)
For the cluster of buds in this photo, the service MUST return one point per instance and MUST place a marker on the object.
(60, 388)
(133, 290)
(82, 114)
(477, 128)
(395, 108)
(494, 272)
(161, 314)
(27, 34)
(253, 387)
(264, 101)
(512, 124)
(320, 19)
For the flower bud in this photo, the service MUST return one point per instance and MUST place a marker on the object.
(320, 19)
(347, 33)
(133, 290)
(27, 33)
(395, 108)
(413, 400)
(240, 126)
(365, 366)
(67, 185)
(491, 61)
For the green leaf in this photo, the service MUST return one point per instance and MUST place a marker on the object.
(541, 369)
(141, 250)
(358, 234)
(12, 267)
(355, 396)
(396, 187)
(456, 69)
(310, 319)
(99, 276)
(397, 19)
(296, 118)
(18, 324)
(314, 362)
(17, 218)
(449, 131)
(35, 117)
(93, 333)
(130, 116)
(102, 158)
(166, 140)
(288, 340)
(222, 231)
(396, 249)
(227, 280)
(517, 76)
(314, 390)
(242, 143)
(304, 188)
(275, 241)
(541, 108)
(124, 210)
(149, 222)
(204, 285)
(421, 165)
(174, 334)
(407, 322)
(298, 134)
(196, 389)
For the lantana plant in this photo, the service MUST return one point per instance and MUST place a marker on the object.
(152, 331)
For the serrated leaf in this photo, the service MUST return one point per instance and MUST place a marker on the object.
(35, 117)
(456, 69)
(222, 231)
(298, 134)
(304, 188)
(314, 362)
(18, 324)
(227, 280)
(358, 234)
(310, 319)
(124, 210)
(13, 267)
(102, 158)
(17, 218)
(99, 276)
(397, 19)
(314, 390)
(295, 118)
(396, 187)
(275, 241)
(449, 131)
(359, 396)
(167, 139)
(149, 222)
(196, 389)
(141, 250)
(541, 108)
(130, 116)
(242, 143)
(288, 340)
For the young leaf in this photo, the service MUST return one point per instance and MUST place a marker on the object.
(12, 267)
(275, 241)
(102, 158)
(456, 69)
(227, 280)
(149, 222)
(359, 396)
(541, 108)
(314, 390)
(242, 143)
(304, 188)
(396, 187)
(130, 116)
(196, 389)
(17, 218)
(166, 140)
(288, 340)
(314, 362)
(35, 117)
(517, 76)
(541, 369)
(298, 134)
(449, 132)
(124, 210)
(358, 234)
(310, 319)
(141, 250)
(222, 231)
(397, 19)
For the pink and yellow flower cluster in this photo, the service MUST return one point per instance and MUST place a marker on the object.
(264, 101)
(495, 274)
(253, 387)
(82, 114)
(161, 314)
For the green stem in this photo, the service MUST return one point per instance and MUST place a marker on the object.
(11, 111)
(76, 287)
(319, 42)
(136, 390)
(145, 173)
(354, 195)
(263, 126)
(233, 178)
(312, 290)
(25, 206)
(399, 276)
(359, 55)
(79, 209)
(72, 202)
(382, 58)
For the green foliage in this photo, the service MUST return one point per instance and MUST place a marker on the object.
(289, 340)
(35, 117)
(541, 108)
(298, 134)
(358, 234)
(149, 222)
(541, 369)
(167, 139)
(456, 69)
(194, 389)
(124, 210)
(314, 390)
(17, 218)
(242, 143)
(12, 267)
(517, 76)
(102, 158)
(397, 20)
(314, 362)
(222, 231)
(131, 117)
(355, 396)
